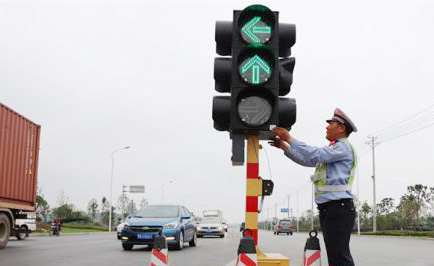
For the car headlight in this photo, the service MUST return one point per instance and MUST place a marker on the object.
(198, 228)
(171, 225)
(126, 226)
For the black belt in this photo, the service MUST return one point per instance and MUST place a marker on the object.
(335, 202)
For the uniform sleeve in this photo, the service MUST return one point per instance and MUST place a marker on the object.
(297, 158)
(314, 155)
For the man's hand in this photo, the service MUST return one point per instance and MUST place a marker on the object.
(278, 143)
(282, 134)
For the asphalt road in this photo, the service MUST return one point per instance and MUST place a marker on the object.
(103, 249)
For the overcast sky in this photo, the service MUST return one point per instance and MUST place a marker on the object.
(101, 75)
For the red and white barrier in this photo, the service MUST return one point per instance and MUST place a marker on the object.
(159, 257)
(312, 250)
(312, 258)
(247, 259)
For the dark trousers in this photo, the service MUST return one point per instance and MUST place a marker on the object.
(337, 221)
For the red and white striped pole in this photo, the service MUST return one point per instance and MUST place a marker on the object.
(253, 186)
(160, 256)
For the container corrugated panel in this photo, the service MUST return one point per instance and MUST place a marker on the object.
(19, 150)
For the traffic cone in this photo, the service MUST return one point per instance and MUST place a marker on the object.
(312, 250)
(159, 255)
(246, 251)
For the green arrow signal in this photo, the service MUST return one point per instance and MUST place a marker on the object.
(256, 64)
(250, 29)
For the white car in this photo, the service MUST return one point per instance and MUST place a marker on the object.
(25, 226)
(119, 229)
(211, 226)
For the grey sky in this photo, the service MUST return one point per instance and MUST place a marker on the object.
(101, 75)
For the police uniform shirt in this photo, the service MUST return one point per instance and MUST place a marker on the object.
(339, 160)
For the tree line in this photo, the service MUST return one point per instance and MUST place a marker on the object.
(97, 211)
(413, 211)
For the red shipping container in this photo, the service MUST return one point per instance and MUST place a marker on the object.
(19, 150)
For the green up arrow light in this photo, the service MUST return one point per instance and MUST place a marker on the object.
(255, 70)
(256, 31)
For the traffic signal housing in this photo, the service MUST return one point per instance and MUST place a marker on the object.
(255, 70)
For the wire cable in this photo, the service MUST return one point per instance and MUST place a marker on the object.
(402, 121)
(416, 123)
(407, 133)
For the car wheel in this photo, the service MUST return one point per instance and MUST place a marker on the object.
(222, 236)
(180, 243)
(127, 246)
(22, 236)
(287, 233)
(290, 233)
(193, 242)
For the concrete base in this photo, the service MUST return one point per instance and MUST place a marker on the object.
(272, 259)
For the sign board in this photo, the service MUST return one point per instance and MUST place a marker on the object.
(137, 189)
(284, 210)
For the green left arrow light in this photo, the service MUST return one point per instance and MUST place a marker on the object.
(256, 31)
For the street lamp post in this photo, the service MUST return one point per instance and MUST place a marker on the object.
(162, 190)
(111, 185)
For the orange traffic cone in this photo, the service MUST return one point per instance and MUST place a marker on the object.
(246, 251)
(312, 250)
(159, 255)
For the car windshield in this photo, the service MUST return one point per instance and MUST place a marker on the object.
(208, 220)
(158, 212)
(285, 222)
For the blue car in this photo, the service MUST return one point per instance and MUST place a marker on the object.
(175, 221)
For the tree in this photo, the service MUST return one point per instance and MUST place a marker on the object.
(407, 209)
(385, 206)
(92, 208)
(430, 198)
(64, 211)
(419, 195)
(62, 199)
(105, 207)
(122, 205)
(143, 203)
(365, 212)
(42, 207)
(131, 209)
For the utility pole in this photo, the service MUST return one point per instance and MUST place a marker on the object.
(123, 201)
(275, 210)
(373, 142)
(288, 206)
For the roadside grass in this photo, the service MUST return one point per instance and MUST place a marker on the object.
(429, 234)
(72, 229)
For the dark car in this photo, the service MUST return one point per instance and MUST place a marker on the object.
(284, 226)
(175, 222)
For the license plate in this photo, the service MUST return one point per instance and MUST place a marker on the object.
(145, 236)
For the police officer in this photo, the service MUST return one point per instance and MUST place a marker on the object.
(334, 174)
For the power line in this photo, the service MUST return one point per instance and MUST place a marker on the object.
(407, 133)
(416, 123)
(402, 121)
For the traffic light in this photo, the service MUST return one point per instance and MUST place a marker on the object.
(256, 74)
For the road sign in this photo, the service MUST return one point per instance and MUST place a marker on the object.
(137, 189)
(284, 210)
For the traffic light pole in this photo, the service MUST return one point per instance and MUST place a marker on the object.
(253, 185)
(253, 191)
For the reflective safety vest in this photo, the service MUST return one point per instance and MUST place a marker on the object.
(319, 178)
